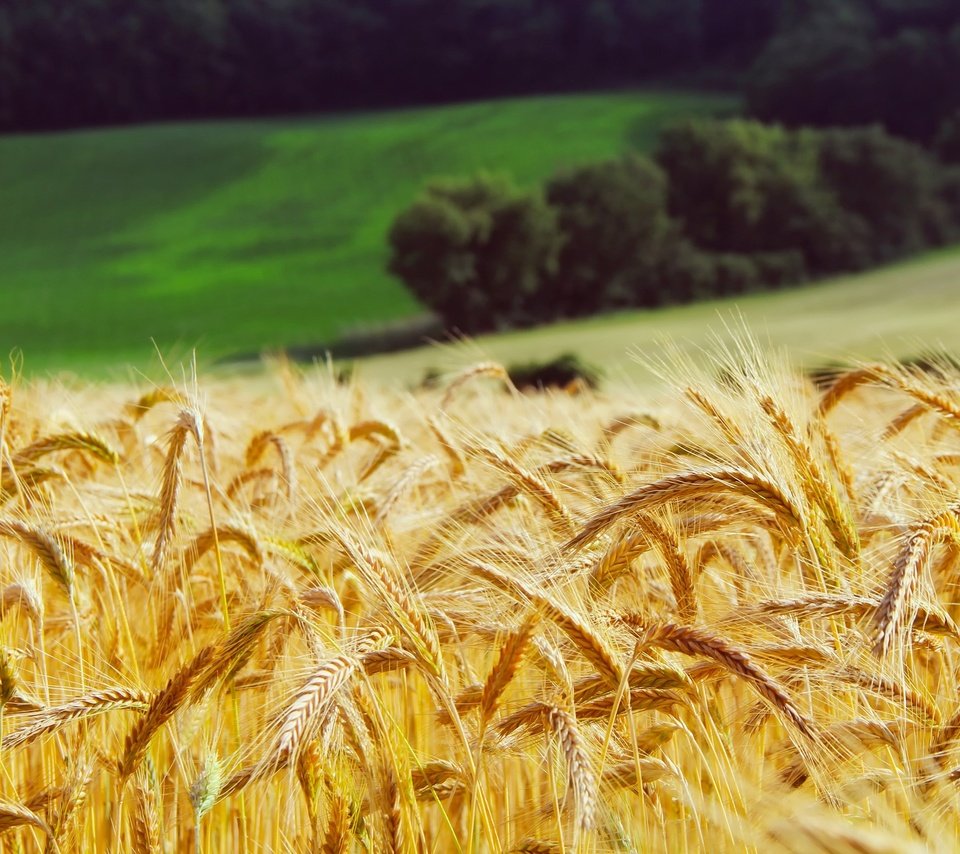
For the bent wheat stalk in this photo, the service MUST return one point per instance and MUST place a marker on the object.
(693, 641)
(188, 423)
(301, 718)
(906, 568)
(51, 718)
(164, 706)
(581, 779)
(15, 815)
(687, 487)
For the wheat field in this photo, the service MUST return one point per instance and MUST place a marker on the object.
(308, 616)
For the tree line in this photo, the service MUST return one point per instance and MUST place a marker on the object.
(94, 61)
(891, 62)
(722, 208)
(812, 62)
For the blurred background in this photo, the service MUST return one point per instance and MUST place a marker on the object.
(557, 179)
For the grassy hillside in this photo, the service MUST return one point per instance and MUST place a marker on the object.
(902, 310)
(237, 235)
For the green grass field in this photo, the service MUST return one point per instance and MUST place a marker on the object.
(900, 311)
(234, 236)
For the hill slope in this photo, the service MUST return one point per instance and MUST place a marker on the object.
(902, 311)
(240, 235)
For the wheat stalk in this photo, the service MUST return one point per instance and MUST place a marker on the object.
(687, 487)
(504, 670)
(163, 706)
(187, 424)
(906, 569)
(694, 641)
(98, 702)
(15, 815)
(582, 780)
(144, 820)
(92, 444)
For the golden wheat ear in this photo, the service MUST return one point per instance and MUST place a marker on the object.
(695, 641)
(16, 815)
(164, 705)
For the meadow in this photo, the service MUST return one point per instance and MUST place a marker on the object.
(239, 235)
(308, 615)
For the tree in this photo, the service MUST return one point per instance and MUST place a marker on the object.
(615, 227)
(889, 184)
(947, 143)
(476, 251)
(949, 194)
(845, 199)
(816, 75)
(917, 74)
(860, 62)
(738, 29)
(738, 186)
